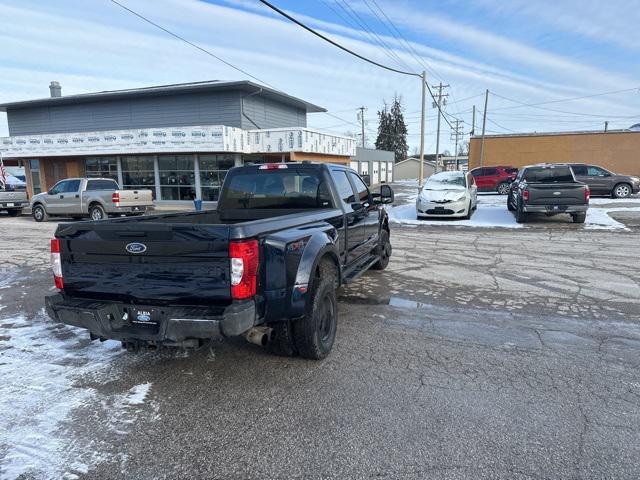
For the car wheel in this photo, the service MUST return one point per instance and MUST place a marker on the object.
(622, 190)
(503, 188)
(509, 205)
(39, 214)
(469, 212)
(315, 333)
(384, 251)
(14, 213)
(579, 217)
(521, 215)
(96, 212)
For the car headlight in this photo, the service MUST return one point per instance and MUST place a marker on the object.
(459, 197)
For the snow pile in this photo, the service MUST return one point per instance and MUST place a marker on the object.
(484, 216)
(39, 362)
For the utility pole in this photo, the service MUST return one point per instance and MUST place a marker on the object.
(361, 115)
(439, 104)
(456, 133)
(484, 124)
(473, 122)
(423, 80)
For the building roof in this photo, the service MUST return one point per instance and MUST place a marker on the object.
(546, 134)
(162, 90)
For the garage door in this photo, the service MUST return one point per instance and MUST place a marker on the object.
(354, 165)
(375, 175)
(364, 168)
(383, 172)
(389, 171)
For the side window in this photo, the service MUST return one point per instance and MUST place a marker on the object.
(72, 186)
(363, 191)
(595, 172)
(579, 169)
(490, 171)
(59, 187)
(345, 191)
(476, 172)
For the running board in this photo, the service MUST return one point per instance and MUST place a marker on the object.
(361, 271)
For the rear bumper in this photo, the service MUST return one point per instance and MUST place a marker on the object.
(122, 210)
(13, 205)
(170, 326)
(555, 208)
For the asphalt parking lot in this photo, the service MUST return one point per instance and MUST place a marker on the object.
(479, 353)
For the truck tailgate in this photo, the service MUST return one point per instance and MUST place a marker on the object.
(146, 262)
(556, 194)
(135, 198)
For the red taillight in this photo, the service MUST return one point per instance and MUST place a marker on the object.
(115, 197)
(525, 195)
(587, 194)
(56, 263)
(243, 258)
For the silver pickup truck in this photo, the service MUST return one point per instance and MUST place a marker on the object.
(96, 198)
(13, 201)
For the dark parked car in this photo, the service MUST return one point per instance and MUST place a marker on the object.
(550, 189)
(603, 182)
(266, 264)
(494, 179)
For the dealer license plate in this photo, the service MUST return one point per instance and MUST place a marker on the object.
(10, 204)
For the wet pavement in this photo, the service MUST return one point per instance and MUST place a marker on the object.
(478, 353)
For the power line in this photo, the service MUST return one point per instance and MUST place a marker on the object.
(335, 44)
(204, 50)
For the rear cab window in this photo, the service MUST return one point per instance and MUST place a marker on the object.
(101, 185)
(282, 188)
(557, 174)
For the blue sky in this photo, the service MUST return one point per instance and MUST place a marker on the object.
(528, 51)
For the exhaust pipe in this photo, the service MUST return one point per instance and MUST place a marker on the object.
(259, 335)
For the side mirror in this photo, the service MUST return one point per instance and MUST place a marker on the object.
(366, 179)
(386, 194)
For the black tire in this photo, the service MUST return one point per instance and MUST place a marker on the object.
(521, 216)
(622, 190)
(284, 343)
(579, 217)
(315, 333)
(39, 213)
(469, 212)
(96, 212)
(503, 188)
(14, 212)
(509, 205)
(384, 251)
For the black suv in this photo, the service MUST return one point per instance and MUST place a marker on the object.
(603, 182)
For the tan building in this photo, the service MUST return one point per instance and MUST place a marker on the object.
(615, 150)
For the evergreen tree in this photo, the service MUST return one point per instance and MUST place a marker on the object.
(392, 131)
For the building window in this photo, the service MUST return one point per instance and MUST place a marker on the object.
(177, 177)
(213, 169)
(34, 166)
(101, 167)
(137, 172)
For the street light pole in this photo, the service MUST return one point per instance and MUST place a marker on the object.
(423, 79)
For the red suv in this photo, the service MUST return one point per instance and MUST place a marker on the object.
(494, 179)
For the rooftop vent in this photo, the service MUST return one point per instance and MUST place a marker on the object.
(55, 89)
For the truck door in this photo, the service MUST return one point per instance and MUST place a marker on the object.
(71, 203)
(54, 201)
(354, 229)
(371, 220)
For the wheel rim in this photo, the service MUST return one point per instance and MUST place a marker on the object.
(622, 191)
(326, 320)
(96, 214)
(503, 189)
(38, 213)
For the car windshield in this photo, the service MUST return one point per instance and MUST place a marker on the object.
(548, 175)
(445, 180)
(283, 188)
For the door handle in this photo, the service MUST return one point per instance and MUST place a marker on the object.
(77, 196)
(61, 196)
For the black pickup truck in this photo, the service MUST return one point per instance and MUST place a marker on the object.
(550, 189)
(266, 264)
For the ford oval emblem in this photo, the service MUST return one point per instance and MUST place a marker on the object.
(136, 248)
(143, 317)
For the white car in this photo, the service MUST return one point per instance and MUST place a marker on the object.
(448, 194)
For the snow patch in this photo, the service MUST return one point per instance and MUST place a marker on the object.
(138, 394)
(484, 216)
